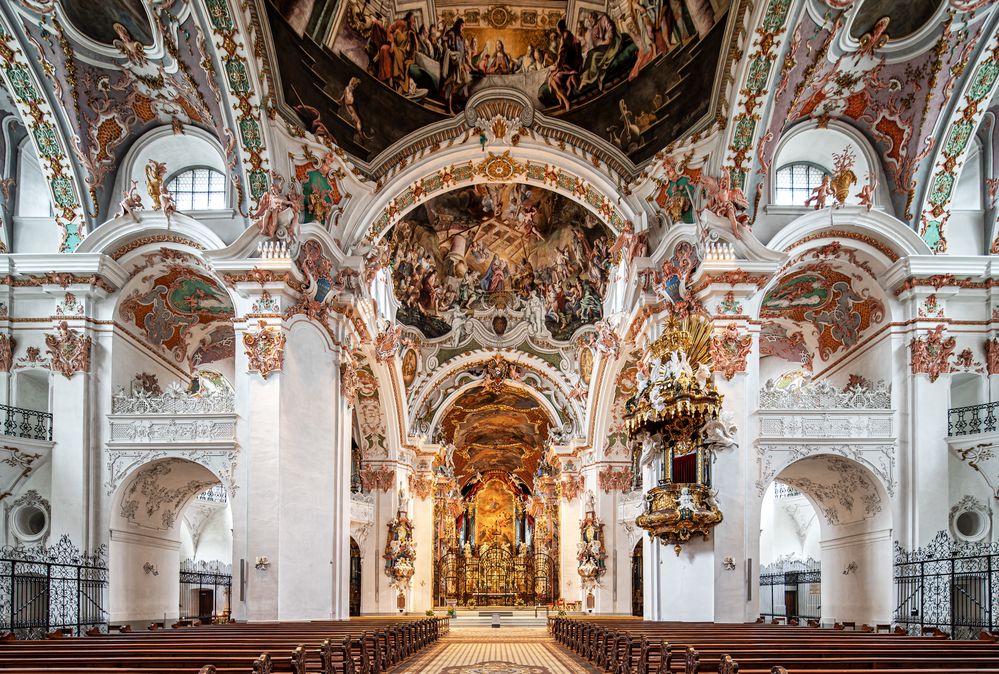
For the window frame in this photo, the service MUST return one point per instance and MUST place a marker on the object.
(199, 167)
(777, 189)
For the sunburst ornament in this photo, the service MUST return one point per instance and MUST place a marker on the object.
(500, 167)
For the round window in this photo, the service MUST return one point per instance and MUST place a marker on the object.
(30, 522)
(970, 523)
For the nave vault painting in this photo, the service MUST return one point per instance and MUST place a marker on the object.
(497, 245)
(635, 72)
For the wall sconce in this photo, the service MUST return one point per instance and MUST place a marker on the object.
(850, 568)
(262, 563)
(728, 564)
(150, 568)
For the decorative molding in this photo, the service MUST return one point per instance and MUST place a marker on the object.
(611, 478)
(729, 351)
(69, 350)
(265, 349)
(821, 395)
(931, 354)
(846, 498)
(772, 457)
(378, 478)
(174, 401)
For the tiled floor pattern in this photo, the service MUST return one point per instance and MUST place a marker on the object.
(509, 650)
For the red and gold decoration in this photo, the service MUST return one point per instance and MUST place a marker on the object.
(69, 350)
(592, 552)
(400, 551)
(674, 400)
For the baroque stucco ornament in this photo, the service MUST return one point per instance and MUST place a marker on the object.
(931, 354)
(69, 350)
(265, 349)
(730, 350)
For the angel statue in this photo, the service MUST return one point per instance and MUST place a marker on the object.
(720, 433)
(277, 210)
(155, 176)
(167, 204)
(726, 201)
(131, 202)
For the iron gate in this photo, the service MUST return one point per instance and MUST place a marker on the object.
(948, 585)
(43, 589)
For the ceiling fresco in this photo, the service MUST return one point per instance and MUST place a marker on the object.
(97, 19)
(637, 73)
(503, 429)
(497, 245)
(180, 311)
(904, 18)
(817, 310)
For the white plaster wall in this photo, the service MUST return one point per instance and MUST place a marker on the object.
(139, 596)
(305, 476)
(866, 594)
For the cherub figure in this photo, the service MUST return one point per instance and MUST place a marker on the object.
(820, 193)
(155, 176)
(866, 195)
(131, 202)
(273, 205)
(167, 204)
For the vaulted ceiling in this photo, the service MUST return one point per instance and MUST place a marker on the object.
(89, 77)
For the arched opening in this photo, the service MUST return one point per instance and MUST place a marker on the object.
(206, 557)
(637, 580)
(148, 511)
(497, 514)
(790, 570)
(355, 578)
(853, 513)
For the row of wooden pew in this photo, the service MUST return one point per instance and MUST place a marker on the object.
(633, 646)
(359, 646)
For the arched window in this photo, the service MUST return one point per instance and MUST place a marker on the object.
(199, 189)
(795, 183)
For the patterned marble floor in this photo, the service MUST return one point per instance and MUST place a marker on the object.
(508, 650)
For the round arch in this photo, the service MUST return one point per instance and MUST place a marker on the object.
(145, 535)
(820, 141)
(559, 390)
(559, 172)
(855, 520)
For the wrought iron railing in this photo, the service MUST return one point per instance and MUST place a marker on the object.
(55, 588)
(972, 419)
(24, 423)
(791, 589)
(205, 590)
(949, 585)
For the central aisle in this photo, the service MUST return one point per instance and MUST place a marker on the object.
(486, 650)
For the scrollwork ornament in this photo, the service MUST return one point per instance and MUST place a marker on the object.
(69, 350)
(265, 349)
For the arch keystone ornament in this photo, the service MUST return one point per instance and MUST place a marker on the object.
(265, 349)
(69, 350)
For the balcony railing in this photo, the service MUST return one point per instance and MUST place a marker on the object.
(23, 423)
(972, 419)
